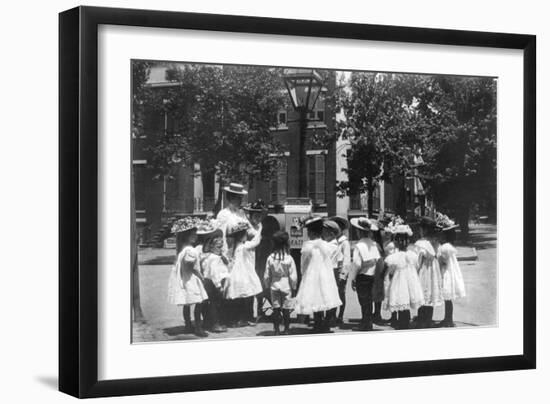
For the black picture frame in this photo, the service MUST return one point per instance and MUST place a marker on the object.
(78, 196)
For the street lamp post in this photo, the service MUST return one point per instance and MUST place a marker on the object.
(304, 87)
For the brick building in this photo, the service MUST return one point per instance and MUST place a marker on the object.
(159, 200)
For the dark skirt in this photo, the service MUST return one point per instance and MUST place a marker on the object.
(378, 285)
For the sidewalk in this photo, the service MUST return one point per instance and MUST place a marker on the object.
(165, 323)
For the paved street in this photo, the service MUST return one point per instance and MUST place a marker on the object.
(164, 321)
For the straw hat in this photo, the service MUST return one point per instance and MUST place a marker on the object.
(235, 188)
(332, 226)
(364, 223)
(310, 220)
(398, 226)
(444, 222)
(185, 224)
(342, 222)
(209, 228)
(258, 206)
(402, 229)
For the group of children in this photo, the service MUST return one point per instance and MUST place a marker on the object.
(401, 276)
(215, 272)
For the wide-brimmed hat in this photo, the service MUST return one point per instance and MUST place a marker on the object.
(428, 222)
(384, 219)
(258, 206)
(364, 223)
(208, 228)
(342, 222)
(237, 227)
(331, 225)
(185, 224)
(451, 227)
(235, 188)
(444, 222)
(306, 221)
(398, 226)
(402, 229)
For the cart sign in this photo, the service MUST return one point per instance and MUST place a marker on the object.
(294, 209)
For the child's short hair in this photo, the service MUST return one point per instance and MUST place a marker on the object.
(280, 242)
(316, 228)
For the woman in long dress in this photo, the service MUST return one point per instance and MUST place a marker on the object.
(318, 292)
(232, 213)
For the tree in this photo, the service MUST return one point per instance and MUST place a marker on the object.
(382, 125)
(223, 117)
(461, 158)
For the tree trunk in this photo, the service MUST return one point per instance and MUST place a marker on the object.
(370, 196)
(218, 205)
(463, 219)
(136, 300)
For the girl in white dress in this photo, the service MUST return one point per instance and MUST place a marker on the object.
(318, 292)
(214, 271)
(453, 283)
(330, 234)
(185, 286)
(281, 278)
(243, 282)
(389, 249)
(403, 292)
(428, 272)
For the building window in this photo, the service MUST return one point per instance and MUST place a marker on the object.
(317, 115)
(320, 115)
(282, 118)
(316, 178)
(279, 183)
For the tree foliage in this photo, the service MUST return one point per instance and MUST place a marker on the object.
(382, 125)
(461, 159)
(451, 119)
(221, 119)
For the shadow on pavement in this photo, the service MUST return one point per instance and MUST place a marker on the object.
(168, 260)
(187, 337)
(174, 331)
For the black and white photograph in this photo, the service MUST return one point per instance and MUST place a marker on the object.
(275, 201)
(291, 201)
